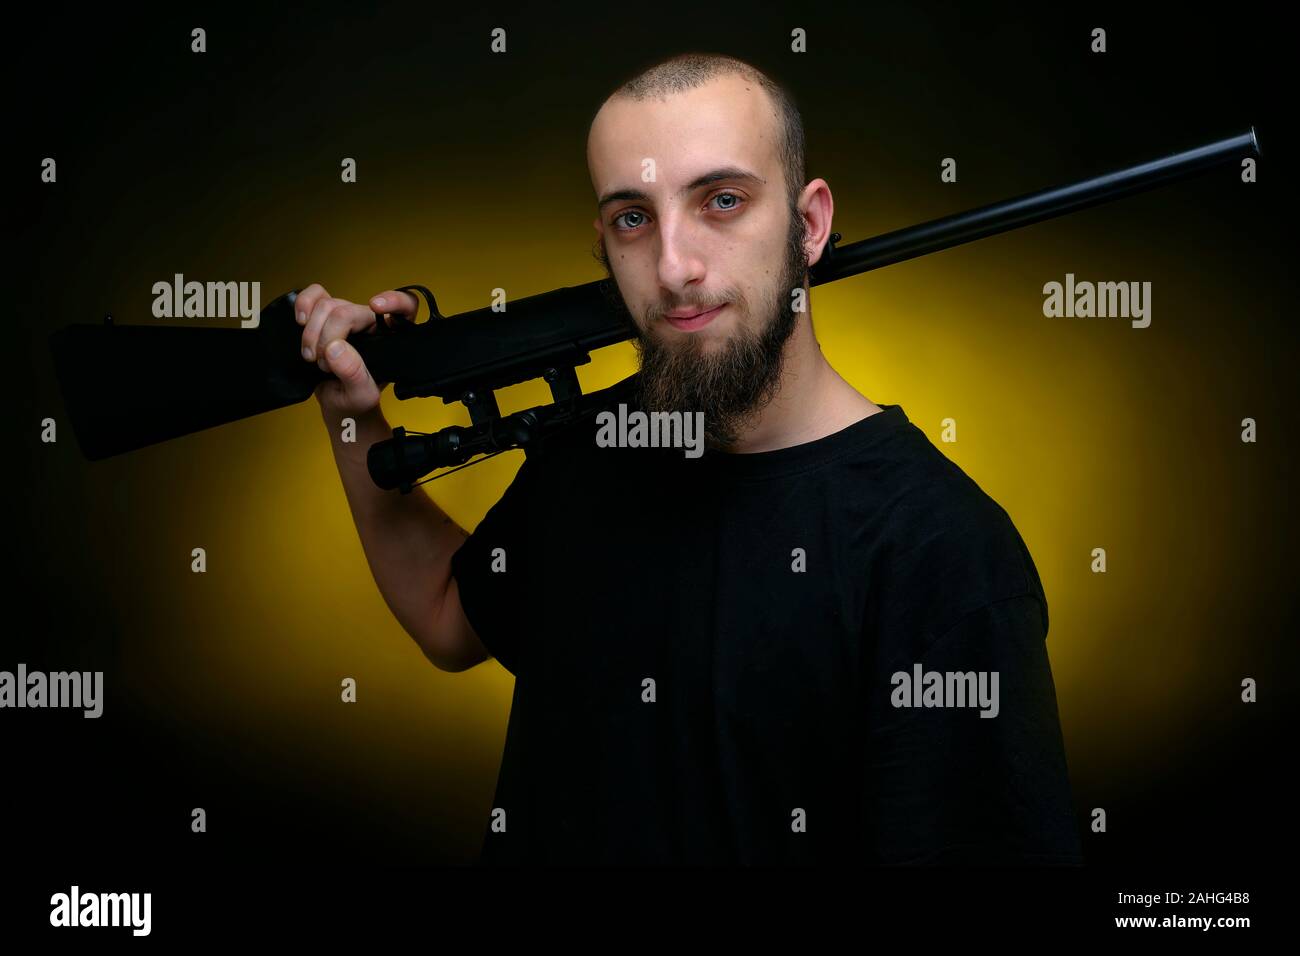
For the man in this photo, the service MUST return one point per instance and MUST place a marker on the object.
(817, 642)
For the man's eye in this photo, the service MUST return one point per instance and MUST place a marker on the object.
(729, 206)
(630, 212)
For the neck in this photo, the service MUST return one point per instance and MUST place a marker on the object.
(811, 401)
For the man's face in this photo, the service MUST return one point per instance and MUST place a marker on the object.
(696, 218)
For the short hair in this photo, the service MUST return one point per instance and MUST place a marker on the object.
(685, 71)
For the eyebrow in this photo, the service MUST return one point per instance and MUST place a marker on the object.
(712, 176)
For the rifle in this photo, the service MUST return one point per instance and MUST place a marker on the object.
(111, 376)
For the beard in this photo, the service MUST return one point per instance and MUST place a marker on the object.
(730, 384)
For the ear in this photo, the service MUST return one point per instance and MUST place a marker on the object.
(818, 209)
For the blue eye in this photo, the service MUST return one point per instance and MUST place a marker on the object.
(630, 212)
(729, 196)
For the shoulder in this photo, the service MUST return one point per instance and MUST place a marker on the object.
(948, 548)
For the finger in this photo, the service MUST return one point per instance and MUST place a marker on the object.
(306, 301)
(315, 322)
(339, 324)
(395, 303)
(346, 364)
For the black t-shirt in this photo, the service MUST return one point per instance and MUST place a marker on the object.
(706, 649)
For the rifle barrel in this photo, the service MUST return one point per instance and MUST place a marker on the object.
(927, 237)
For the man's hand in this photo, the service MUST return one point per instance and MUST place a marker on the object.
(327, 322)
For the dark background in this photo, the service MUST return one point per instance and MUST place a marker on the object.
(222, 693)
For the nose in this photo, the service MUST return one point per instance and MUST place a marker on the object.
(681, 263)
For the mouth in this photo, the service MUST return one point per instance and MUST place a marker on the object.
(697, 321)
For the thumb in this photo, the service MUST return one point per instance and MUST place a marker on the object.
(346, 364)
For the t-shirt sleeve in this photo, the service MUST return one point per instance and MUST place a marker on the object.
(945, 784)
(492, 583)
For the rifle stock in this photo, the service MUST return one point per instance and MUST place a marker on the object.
(128, 386)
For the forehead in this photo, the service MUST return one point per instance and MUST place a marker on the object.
(728, 120)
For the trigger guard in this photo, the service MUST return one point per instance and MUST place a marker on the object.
(399, 323)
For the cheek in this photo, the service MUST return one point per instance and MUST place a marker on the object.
(638, 292)
(636, 277)
(761, 256)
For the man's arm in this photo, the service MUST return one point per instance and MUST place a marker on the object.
(407, 539)
(408, 542)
